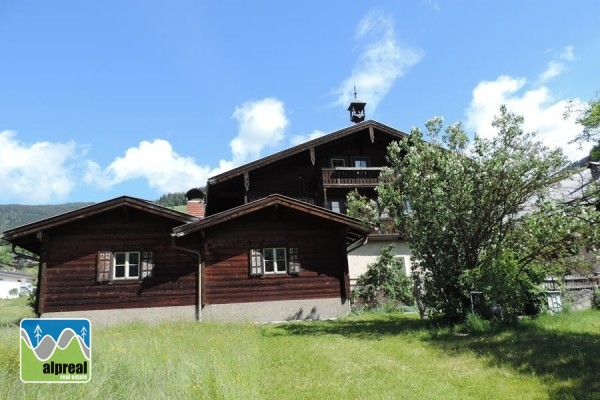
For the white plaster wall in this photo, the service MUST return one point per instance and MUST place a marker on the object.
(360, 258)
(6, 286)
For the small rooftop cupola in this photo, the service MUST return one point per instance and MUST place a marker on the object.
(357, 109)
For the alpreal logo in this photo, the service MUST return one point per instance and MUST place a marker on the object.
(56, 350)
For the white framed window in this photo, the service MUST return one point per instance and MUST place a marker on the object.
(337, 162)
(126, 265)
(275, 260)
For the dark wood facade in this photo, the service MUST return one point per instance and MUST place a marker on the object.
(68, 247)
(320, 237)
(320, 172)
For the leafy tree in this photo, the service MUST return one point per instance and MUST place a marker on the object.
(589, 119)
(385, 281)
(467, 199)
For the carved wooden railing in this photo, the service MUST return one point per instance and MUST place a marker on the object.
(345, 176)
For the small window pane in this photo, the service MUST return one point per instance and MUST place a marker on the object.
(119, 271)
(133, 271)
(269, 266)
(119, 258)
(134, 258)
(280, 254)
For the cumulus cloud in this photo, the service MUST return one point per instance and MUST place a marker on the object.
(298, 139)
(381, 62)
(542, 112)
(36, 173)
(261, 124)
(156, 162)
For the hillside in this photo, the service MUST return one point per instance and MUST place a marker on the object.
(14, 215)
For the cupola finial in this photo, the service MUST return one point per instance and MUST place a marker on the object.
(357, 109)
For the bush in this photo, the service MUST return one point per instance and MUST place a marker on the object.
(384, 285)
(477, 324)
(596, 300)
(32, 300)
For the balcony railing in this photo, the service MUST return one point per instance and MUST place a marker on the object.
(345, 176)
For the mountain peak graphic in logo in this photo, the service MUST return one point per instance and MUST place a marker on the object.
(56, 350)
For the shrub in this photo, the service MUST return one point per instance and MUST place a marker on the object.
(384, 283)
(596, 300)
(477, 324)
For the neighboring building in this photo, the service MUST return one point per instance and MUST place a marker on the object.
(273, 259)
(321, 172)
(14, 284)
(575, 188)
(362, 254)
(114, 255)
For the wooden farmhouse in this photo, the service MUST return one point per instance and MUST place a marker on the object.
(270, 241)
(321, 172)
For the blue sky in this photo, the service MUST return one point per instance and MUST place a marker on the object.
(142, 98)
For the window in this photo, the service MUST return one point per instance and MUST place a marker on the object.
(274, 260)
(335, 207)
(360, 162)
(124, 265)
(337, 162)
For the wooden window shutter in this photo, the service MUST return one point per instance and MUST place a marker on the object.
(256, 262)
(147, 264)
(294, 261)
(104, 266)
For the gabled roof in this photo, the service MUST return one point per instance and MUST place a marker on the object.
(370, 125)
(355, 229)
(25, 234)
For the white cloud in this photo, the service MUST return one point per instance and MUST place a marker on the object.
(298, 139)
(567, 53)
(381, 62)
(554, 69)
(157, 162)
(261, 124)
(542, 112)
(36, 173)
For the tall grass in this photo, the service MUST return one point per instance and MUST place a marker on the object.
(371, 356)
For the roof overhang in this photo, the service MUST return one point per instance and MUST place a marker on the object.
(28, 236)
(354, 230)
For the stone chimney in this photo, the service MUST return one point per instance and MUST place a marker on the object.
(195, 202)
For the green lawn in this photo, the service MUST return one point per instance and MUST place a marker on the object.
(372, 356)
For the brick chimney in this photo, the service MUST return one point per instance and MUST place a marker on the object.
(196, 208)
(195, 202)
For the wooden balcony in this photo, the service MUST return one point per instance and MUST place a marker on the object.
(351, 177)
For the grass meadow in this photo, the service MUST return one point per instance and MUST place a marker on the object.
(369, 356)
